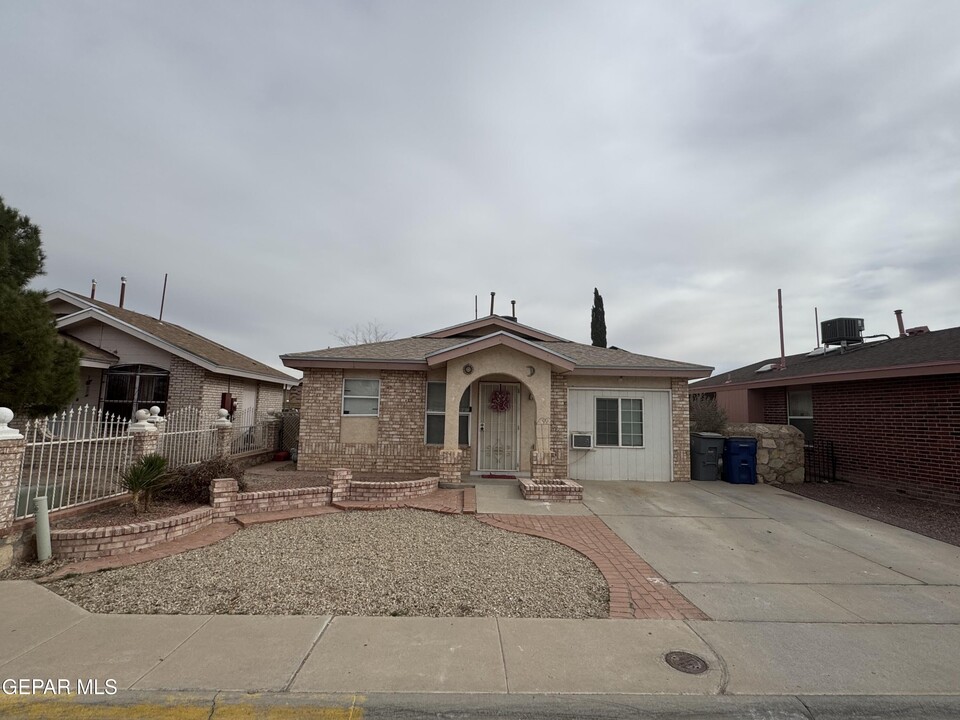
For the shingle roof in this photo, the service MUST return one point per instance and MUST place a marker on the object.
(416, 349)
(186, 340)
(90, 352)
(939, 346)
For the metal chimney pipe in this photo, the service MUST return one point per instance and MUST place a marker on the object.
(163, 298)
(899, 314)
(783, 356)
(513, 309)
(123, 290)
(492, 294)
(816, 321)
(93, 289)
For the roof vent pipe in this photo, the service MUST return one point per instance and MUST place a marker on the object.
(899, 314)
(513, 309)
(492, 294)
(93, 289)
(783, 355)
(123, 290)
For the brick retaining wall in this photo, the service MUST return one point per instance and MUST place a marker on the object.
(276, 500)
(373, 491)
(77, 544)
(551, 490)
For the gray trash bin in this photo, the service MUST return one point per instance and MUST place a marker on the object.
(706, 449)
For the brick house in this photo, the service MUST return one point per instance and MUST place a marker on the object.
(494, 396)
(130, 360)
(881, 413)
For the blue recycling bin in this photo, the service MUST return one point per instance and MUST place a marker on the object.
(740, 461)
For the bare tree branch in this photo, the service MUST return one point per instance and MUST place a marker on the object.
(362, 334)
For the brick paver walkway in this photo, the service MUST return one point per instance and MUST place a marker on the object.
(636, 591)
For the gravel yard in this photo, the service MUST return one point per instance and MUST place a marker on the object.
(398, 562)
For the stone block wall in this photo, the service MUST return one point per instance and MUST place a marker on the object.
(780, 457)
(680, 426)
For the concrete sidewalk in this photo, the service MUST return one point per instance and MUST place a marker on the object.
(44, 636)
(806, 599)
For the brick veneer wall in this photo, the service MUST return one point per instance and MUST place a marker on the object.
(400, 446)
(186, 385)
(680, 425)
(269, 398)
(775, 406)
(558, 424)
(902, 434)
(122, 539)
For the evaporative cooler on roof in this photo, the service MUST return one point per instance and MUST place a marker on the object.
(842, 330)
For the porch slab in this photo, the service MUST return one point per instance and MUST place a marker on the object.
(504, 498)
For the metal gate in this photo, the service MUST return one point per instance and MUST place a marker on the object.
(820, 460)
(499, 436)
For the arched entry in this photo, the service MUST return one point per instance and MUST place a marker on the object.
(499, 426)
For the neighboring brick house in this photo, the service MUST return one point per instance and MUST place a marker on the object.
(131, 361)
(494, 396)
(881, 413)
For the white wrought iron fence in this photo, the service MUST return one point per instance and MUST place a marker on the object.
(186, 436)
(253, 431)
(72, 458)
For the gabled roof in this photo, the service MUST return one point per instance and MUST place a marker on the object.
(168, 336)
(91, 355)
(490, 324)
(432, 349)
(932, 353)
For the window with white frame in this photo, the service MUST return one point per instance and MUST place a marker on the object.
(436, 414)
(800, 412)
(361, 397)
(619, 422)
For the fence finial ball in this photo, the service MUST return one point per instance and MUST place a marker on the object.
(223, 412)
(7, 433)
(154, 410)
(141, 415)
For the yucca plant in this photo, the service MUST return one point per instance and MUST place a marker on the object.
(143, 478)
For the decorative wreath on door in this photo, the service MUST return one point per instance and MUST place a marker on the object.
(500, 400)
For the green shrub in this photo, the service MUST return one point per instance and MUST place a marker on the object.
(706, 415)
(191, 483)
(143, 479)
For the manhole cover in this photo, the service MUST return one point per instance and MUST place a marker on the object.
(686, 662)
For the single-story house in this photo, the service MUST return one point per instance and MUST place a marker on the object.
(130, 360)
(494, 396)
(883, 413)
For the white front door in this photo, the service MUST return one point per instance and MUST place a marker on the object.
(499, 432)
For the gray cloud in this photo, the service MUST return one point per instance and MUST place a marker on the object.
(300, 167)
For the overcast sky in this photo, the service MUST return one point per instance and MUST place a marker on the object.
(300, 167)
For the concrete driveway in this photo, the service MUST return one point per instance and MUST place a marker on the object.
(757, 553)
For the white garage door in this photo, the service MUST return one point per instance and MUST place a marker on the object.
(630, 430)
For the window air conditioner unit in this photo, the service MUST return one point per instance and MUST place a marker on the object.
(581, 441)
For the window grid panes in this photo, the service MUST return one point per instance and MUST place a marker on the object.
(436, 407)
(631, 422)
(361, 396)
(619, 422)
(607, 430)
(800, 412)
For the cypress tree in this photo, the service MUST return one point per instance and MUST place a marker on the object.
(598, 322)
(39, 371)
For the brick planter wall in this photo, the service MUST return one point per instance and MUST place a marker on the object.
(373, 491)
(77, 544)
(551, 490)
(275, 500)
